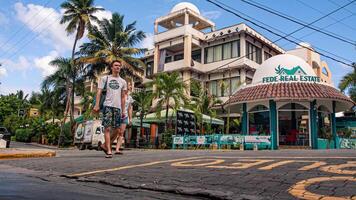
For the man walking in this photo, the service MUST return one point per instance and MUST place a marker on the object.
(114, 104)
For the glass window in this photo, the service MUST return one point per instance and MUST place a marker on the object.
(253, 53)
(227, 51)
(213, 87)
(217, 53)
(267, 55)
(209, 55)
(178, 57)
(168, 59)
(149, 68)
(235, 49)
(196, 55)
(234, 84)
(259, 123)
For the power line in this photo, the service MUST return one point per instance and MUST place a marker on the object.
(277, 34)
(319, 11)
(343, 8)
(280, 31)
(353, 43)
(25, 36)
(33, 38)
(23, 25)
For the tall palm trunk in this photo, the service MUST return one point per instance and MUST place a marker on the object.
(167, 107)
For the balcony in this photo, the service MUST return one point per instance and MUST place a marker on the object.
(178, 32)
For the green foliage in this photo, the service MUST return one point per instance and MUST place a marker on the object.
(167, 139)
(23, 135)
(53, 131)
(10, 105)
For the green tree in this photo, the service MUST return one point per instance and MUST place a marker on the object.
(348, 82)
(110, 41)
(203, 105)
(79, 15)
(169, 93)
(143, 102)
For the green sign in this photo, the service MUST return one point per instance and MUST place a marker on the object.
(290, 75)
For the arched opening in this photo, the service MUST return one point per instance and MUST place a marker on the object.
(324, 123)
(258, 120)
(293, 125)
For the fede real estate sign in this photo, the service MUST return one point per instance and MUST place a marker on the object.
(293, 74)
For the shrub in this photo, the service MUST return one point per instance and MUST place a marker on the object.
(23, 135)
(167, 139)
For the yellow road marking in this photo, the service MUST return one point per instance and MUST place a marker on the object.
(189, 163)
(277, 164)
(127, 167)
(241, 165)
(337, 169)
(299, 189)
(282, 157)
(312, 166)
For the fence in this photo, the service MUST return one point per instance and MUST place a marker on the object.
(219, 141)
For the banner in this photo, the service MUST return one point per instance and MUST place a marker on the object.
(258, 139)
(178, 140)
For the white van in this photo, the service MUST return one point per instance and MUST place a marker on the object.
(90, 135)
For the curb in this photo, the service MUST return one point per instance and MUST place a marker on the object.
(25, 153)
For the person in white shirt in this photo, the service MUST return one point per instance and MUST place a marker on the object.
(128, 119)
(114, 104)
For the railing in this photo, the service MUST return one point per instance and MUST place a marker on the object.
(220, 140)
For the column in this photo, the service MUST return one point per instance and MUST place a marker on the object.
(333, 127)
(273, 123)
(313, 125)
(244, 119)
(188, 51)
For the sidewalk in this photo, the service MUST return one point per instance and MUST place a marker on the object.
(12, 153)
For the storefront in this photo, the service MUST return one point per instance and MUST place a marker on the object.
(289, 103)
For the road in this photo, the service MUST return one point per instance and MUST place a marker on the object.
(182, 174)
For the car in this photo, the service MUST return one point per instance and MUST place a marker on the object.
(5, 135)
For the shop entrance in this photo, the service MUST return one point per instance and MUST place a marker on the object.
(293, 125)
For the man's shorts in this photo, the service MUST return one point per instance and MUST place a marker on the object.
(111, 117)
(125, 120)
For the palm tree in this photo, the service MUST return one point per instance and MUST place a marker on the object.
(110, 41)
(58, 80)
(203, 105)
(143, 102)
(78, 14)
(348, 82)
(170, 92)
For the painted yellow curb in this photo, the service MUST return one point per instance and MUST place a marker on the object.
(12, 154)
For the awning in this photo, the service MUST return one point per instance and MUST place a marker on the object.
(291, 91)
(153, 118)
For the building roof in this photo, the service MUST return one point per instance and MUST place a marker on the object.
(289, 91)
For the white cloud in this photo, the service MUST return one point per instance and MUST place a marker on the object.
(103, 14)
(3, 72)
(45, 21)
(8, 89)
(43, 63)
(212, 14)
(148, 42)
(3, 19)
(21, 64)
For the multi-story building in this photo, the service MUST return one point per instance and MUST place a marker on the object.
(187, 42)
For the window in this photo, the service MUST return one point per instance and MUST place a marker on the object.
(267, 55)
(178, 57)
(224, 87)
(168, 59)
(213, 88)
(325, 72)
(258, 120)
(149, 68)
(196, 55)
(222, 51)
(227, 51)
(253, 53)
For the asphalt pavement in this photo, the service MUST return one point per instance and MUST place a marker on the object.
(182, 174)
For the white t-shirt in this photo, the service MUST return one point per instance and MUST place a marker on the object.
(129, 101)
(114, 87)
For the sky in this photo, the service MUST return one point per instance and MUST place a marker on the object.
(31, 36)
